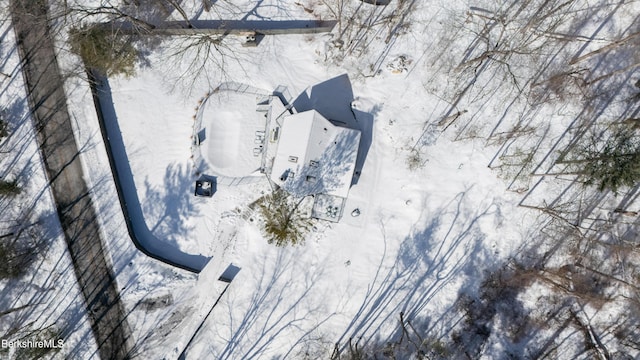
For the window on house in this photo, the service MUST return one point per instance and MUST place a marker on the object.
(293, 159)
(313, 163)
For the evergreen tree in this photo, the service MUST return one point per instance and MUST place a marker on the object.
(615, 165)
(9, 187)
(284, 224)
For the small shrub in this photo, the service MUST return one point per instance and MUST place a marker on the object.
(4, 131)
(438, 349)
(19, 251)
(104, 51)
(414, 160)
(13, 260)
(9, 187)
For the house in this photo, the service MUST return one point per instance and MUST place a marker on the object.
(316, 157)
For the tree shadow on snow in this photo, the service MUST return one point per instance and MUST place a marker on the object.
(267, 316)
(427, 261)
(168, 208)
(172, 202)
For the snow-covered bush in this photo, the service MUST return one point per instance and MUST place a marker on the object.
(9, 187)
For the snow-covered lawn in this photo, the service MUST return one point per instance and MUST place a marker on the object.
(421, 235)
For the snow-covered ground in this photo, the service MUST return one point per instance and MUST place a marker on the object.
(45, 302)
(420, 234)
(430, 227)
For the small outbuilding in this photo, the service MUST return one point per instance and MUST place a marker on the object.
(204, 187)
